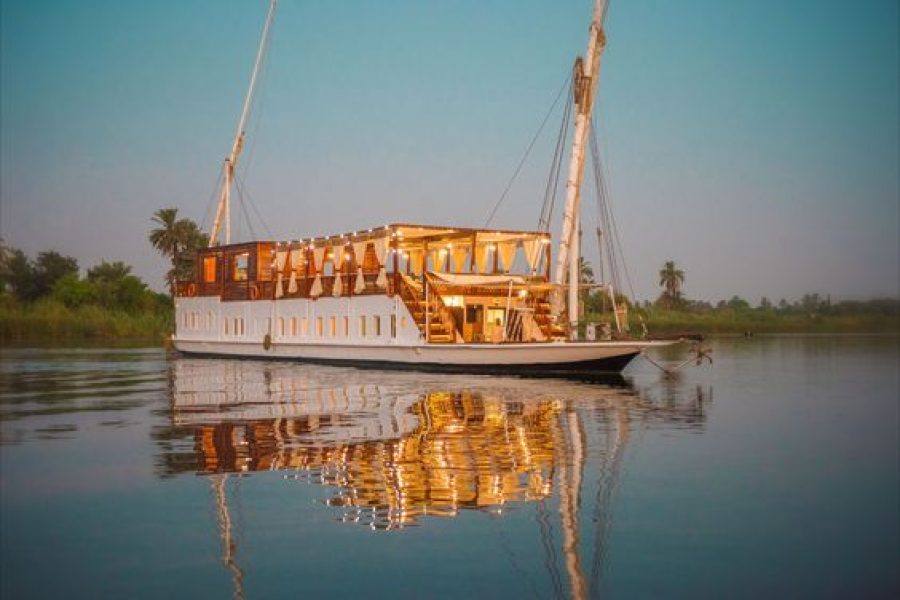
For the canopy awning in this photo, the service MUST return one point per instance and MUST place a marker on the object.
(475, 280)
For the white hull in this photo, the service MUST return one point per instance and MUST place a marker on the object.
(518, 357)
(404, 349)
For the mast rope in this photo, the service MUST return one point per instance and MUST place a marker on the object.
(243, 204)
(527, 153)
(244, 192)
(555, 168)
(607, 220)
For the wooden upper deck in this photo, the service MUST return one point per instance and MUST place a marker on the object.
(365, 262)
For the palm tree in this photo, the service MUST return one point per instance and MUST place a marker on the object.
(176, 239)
(671, 279)
(165, 239)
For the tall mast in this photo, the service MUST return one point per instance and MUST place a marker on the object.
(224, 207)
(585, 76)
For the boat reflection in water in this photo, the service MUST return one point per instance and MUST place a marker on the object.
(397, 447)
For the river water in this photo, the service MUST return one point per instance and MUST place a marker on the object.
(133, 473)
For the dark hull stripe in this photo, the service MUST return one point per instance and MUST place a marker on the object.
(598, 369)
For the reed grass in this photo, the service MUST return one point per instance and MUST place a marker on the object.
(46, 320)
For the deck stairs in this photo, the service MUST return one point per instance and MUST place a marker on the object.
(437, 327)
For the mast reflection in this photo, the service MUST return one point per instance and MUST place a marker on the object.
(396, 448)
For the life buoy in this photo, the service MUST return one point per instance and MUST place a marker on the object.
(192, 289)
(254, 291)
(267, 341)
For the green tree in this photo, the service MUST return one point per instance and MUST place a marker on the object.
(50, 267)
(73, 291)
(108, 271)
(18, 275)
(671, 279)
(737, 304)
(116, 287)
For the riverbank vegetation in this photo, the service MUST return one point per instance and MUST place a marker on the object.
(673, 313)
(47, 299)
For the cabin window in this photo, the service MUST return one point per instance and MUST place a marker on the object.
(193, 320)
(393, 326)
(496, 316)
(209, 320)
(209, 269)
(362, 327)
(346, 326)
(332, 327)
(227, 327)
(294, 326)
(280, 325)
(240, 267)
(235, 327)
(474, 313)
(320, 326)
(376, 326)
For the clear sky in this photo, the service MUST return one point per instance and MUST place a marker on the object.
(754, 143)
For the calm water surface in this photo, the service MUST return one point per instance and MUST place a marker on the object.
(134, 473)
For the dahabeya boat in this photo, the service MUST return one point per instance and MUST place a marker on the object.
(408, 295)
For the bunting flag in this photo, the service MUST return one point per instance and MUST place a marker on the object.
(460, 254)
(507, 252)
(337, 288)
(360, 286)
(280, 261)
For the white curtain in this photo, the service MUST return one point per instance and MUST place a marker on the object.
(507, 252)
(481, 258)
(533, 250)
(381, 250)
(280, 261)
(318, 259)
(437, 260)
(415, 261)
(359, 251)
(337, 253)
(460, 253)
(296, 257)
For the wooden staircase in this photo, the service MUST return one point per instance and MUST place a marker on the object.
(437, 328)
(542, 316)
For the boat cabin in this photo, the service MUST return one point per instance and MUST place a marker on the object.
(460, 285)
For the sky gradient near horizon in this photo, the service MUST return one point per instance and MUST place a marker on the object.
(756, 144)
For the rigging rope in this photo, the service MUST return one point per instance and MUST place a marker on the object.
(246, 193)
(527, 152)
(607, 220)
(555, 168)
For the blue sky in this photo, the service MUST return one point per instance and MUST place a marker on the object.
(754, 143)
